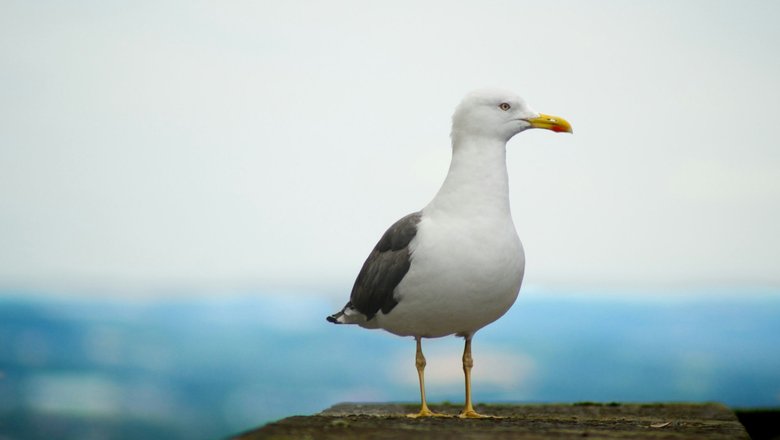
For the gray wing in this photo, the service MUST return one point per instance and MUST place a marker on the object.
(384, 268)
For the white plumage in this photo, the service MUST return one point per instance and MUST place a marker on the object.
(457, 265)
(466, 259)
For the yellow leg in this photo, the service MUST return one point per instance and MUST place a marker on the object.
(468, 411)
(420, 364)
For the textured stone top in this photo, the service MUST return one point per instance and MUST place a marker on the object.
(542, 421)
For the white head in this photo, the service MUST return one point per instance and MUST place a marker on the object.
(499, 115)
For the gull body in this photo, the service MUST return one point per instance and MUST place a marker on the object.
(467, 261)
(457, 265)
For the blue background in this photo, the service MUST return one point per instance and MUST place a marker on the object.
(209, 366)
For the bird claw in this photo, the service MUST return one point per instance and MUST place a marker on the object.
(426, 413)
(471, 414)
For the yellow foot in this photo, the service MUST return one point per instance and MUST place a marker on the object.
(471, 414)
(426, 413)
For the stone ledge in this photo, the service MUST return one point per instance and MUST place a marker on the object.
(528, 421)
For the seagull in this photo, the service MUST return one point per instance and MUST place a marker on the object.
(456, 265)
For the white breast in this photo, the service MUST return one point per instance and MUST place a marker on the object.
(465, 274)
(466, 259)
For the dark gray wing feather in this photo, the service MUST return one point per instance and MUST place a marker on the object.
(384, 268)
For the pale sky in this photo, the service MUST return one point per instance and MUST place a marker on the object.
(230, 144)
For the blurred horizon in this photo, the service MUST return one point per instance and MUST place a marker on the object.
(339, 294)
(211, 366)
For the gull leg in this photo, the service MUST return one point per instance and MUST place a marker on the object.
(468, 411)
(420, 364)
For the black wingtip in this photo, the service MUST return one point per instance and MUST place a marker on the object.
(333, 318)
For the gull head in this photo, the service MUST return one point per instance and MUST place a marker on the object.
(499, 114)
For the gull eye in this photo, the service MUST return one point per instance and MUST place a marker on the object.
(504, 106)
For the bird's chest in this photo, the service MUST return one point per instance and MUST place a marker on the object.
(470, 253)
(463, 276)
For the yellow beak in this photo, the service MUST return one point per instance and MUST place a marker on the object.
(554, 123)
